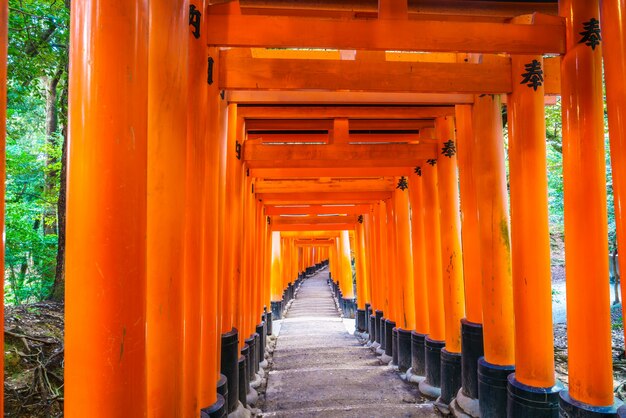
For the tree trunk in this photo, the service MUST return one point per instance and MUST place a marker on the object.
(58, 289)
(52, 126)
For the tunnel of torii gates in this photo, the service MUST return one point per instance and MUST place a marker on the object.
(222, 151)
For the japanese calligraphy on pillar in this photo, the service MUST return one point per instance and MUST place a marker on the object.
(449, 149)
(591, 33)
(402, 184)
(194, 20)
(533, 77)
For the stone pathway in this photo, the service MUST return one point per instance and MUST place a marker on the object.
(320, 370)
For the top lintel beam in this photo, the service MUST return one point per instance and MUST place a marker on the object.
(385, 35)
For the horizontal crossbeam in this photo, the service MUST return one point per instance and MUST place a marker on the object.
(385, 35)
(313, 220)
(317, 186)
(240, 71)
(348, 112)
(317, 210)
(295, 172)
(313, 227)
(322, 198)
(337, 155)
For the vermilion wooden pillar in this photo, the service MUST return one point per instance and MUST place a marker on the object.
(233, 218)
(530, 240)
(471, 326)
(451, 254)
(345, 280)
(584, 190)
(451, 257)
(105, 357)
(420, 281)
(383, 254)
(367, 257)
(276, 281)
(377, 300)
(432, 236)
(393, 282)
(167, 136)
(472, 276)
(195, 226)
(435, 341)
(497, 291)
(4, 25)
(404, 260)
(212, 285)
(613, 17)
(361, 269)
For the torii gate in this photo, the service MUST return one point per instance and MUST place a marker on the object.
(168, 245)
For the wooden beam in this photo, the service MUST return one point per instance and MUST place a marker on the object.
(322, 198)
(345, 97)
(334, 185)
(313, 220)
(337, 155)
(350, 112)
(317, 210)
(242, 72)
(310, 235)
(502, 10)
(384, 35)
(352, 138)
(277, 138)
(313, 228)
(298, 172)
(314, 242)
(258, 125)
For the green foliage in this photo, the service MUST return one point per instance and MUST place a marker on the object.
(38, 40)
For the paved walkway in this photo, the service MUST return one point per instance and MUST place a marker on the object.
(320, 370)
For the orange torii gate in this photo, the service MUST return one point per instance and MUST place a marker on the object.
(169, 251)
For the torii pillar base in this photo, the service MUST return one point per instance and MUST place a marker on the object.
(571, 408)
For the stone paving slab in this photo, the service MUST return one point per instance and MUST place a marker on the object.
(320, 370)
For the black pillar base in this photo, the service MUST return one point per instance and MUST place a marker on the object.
(229, 366)
(430, 387)
(404, 350)
(571, 408)
(528, 401)
(243, 381)
(492, 388)
(450, 376)
(257, 355)
(383, 333)
(251, 343)
(260, 329)
(389, 326)
(222, 388)
(379, 316)
(472, 350)
(268, 323)
(350, 308)
(418, 355)
(217, 410)
(394, 346)
(368, 312)
(277, 307)
(372, 328)
(360, 320)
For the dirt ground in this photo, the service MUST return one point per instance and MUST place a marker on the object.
(33, 355)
